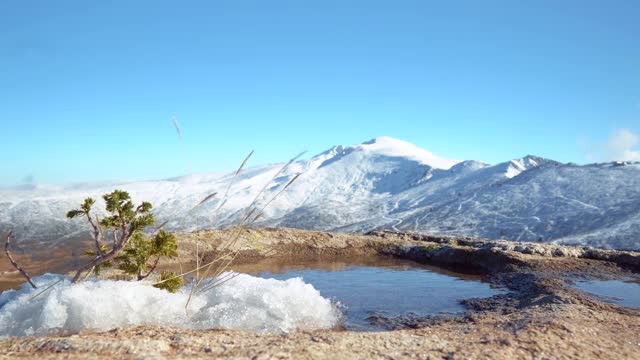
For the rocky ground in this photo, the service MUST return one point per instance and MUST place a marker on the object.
(541, 316)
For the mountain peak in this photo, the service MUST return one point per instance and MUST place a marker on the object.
(384, 139)
(389, 146)
(516, 166)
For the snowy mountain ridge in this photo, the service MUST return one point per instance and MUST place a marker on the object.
(380, 184)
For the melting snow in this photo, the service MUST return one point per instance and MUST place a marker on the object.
(245, 303)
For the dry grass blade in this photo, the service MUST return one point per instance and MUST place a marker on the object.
(227, 256)
(282, 169)
(235, 175)
(250, 211)
(248, 215)
(223, 267)
(175, 123)
(207, 198)
(47, 288)
(88, 273)
(291, 181)
(224, 199)
(162, 225)
(220, 282)
(244, 162)
(223, 277)
(222, 204)
(261, 212)
(206, 272)
(203, 266)
(183, 274)
(197, 260)
(226, 265)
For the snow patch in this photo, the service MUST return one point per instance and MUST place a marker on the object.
(517, 166)
(355, 188)
(393, 147)
(245, 303)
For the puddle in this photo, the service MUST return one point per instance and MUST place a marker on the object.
(365, 288)
(382, 287)
(619, 292)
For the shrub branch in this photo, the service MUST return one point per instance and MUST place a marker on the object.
(13, 261)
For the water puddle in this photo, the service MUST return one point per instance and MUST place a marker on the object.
(619, 292)
(370, 293)
(381, 287)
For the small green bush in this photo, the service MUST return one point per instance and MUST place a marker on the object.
(130, 249)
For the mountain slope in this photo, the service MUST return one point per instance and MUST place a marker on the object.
(382, 183)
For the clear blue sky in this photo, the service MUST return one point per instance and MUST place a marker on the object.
(88, 88)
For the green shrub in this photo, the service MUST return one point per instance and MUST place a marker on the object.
(136, 256)
(130, 249)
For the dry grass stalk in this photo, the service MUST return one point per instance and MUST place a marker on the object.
(227, 254)
(46, 289)
(207, 198)
(175, 123)
(223, 201)
(197, 260)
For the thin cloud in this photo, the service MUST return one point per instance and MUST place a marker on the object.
(623, 145)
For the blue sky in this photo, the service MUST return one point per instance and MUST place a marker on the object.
(88, 89)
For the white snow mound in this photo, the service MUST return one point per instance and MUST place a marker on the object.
(394, 147)
(245, 302)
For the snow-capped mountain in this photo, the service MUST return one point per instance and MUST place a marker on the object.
(381, 184)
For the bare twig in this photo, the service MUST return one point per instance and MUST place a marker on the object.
(14, 263)
(151, 269)
(104, 257)
(96, 232)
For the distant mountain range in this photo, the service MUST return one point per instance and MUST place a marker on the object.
(381, 184)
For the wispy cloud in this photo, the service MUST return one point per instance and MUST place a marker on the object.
(622, 145)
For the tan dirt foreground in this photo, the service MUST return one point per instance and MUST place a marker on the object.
(541, 317)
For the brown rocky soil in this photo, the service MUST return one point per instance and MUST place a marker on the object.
(541, 317)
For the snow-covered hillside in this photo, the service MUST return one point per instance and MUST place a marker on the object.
(382, 183)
